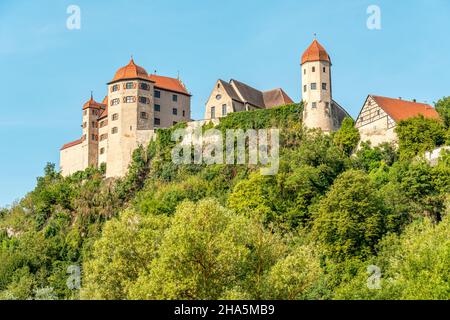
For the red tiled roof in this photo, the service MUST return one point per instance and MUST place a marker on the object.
(105, 110)
(93, 104)
(71, 144)
(130, 71)
(399, 109)
(315, 52)
(276, 98)
(170, 84)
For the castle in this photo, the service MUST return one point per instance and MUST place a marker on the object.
(137, 103)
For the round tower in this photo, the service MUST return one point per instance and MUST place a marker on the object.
(316, 88)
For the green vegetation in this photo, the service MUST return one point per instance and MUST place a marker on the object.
(169, 231)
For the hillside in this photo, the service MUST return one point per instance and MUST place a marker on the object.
(332, 224)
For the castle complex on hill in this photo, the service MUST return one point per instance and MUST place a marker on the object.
(138, 103)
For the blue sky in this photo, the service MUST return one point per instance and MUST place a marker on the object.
(48, 71)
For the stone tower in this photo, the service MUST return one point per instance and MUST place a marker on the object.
(130, 116)
(89, 139)
(316, 88)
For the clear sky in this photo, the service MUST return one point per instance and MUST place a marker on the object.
(48, 71)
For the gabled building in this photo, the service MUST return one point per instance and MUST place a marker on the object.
(379, 116)
(136, 104)
(235, 96)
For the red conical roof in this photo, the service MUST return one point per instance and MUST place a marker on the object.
(92, 104)
(130, 71)
(315, 52)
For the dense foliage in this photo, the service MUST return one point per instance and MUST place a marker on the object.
(169, 231)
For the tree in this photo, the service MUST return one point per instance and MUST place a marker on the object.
(414, 266)
(293, 277)
(126, 248)
(419, 134)
(351, 218)
(443, 108)
(347, 137)
(202, 255)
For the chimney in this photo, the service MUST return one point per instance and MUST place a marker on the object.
(414, 100)
(399, 98)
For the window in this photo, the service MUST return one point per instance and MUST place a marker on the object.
(184, 113)
(144, 115)
(129, 85)
(114, 130)
(378, 112)
(93, 137)
(224, 110)
(324, 69)
(313, 86)
(362, 119)
(129, 99)
(115, 101)
(157, 94)
(94, 125)
(174, 98)
(157, 107)
(218, 86)
(313, 69)
(213, 112)
(327, 105)
(102, 150)
(115, 117)
(314, 105)
(144, 86)
(144, 100)
(218, 97)
(174, 111)
(305, 88)
(304, 71)
(324, 86)
(104, 137)
(103, 123)
(115, 88)
(157, 121)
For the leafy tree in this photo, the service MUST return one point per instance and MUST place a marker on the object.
(419, 134)
(347, 137)
(350, 220)
(443, 107)
(126, 248)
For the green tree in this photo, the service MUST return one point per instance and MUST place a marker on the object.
(126, 248)
(443, 107)
(347, 137)
(419, 134)
(351, 218)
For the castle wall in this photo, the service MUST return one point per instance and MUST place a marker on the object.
(72, 160)
(166, 116)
